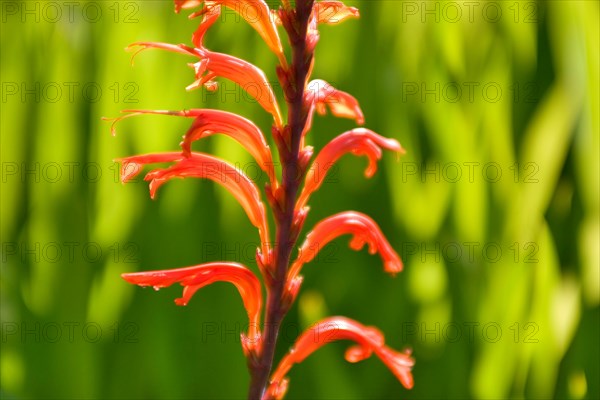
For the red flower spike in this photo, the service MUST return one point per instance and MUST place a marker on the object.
(194, 278)
(369, 340)
(334, 12)
(212, 64)
(209, 122)
(359, 141)
(364, 231)
(303, 98)
(199, 165)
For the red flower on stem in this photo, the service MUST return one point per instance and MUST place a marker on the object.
(368, 340)
(280, 276)
(358, 141)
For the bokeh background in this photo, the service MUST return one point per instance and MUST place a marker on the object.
(494, 208)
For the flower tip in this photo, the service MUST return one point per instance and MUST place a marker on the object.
(360, 117)
(357, 353)
(400, 152)
(181, 302)
(134, 278)
(393, 267)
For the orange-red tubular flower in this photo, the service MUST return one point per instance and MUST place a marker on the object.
(200, 165)
(258, 15)
(212, 64)
(210, 16)
(364, 231)
(255, 12)
(334, 12)
(369, 340)
(359, 141)
(208, 122)
(194, 278)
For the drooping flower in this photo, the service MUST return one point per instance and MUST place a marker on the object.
(258, 15)
(359, 141)
(209, 17)
(212, 65)
(208, 122)
(255, 12)
(364, 231)
(320, 94)
(368, 340)
(196, 277)
(341, 104)
(200, 165)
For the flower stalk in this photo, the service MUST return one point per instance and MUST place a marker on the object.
(294, 82)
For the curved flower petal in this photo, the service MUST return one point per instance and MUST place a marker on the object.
(369, 340)
(334, 12)
(200, 165)
(132, 166)
(364, 231)
(213, 64)
(174, 48)
(248, 76)
(359, 141)
(210, 16)
(255, 12)
(194, 278)
(320, 94)
(209, 122)
(242, 130)
(258, 15)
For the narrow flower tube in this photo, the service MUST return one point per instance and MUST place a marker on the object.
(194, 278)
(249, 77)
(209, 17)
(359, 141)
(258, 15)
(364, 231)
(368, 340)
(213, 64)
(208, 122)
(334, 12)
(200, 165)
(255, 12)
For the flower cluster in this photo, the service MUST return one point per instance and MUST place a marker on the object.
(287, 196)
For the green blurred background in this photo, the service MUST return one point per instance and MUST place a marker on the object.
(494, 209)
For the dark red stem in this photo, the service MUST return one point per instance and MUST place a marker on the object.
(287, 233)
